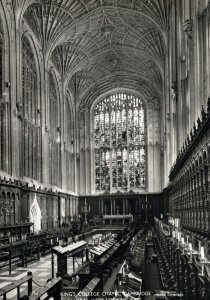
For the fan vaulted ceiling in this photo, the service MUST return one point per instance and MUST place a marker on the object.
(97, 45)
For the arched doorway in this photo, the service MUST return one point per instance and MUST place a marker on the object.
(35, 215)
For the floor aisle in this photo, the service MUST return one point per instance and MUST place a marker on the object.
(109, 285)
(152, 281)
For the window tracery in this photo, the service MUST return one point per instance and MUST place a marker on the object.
(69, 145)
(31, 129)
(2, 104)
(55, 134)
(119, 135)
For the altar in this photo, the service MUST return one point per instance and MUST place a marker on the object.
(118, 219)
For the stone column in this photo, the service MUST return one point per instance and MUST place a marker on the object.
(73, 206)
(102, 207)
(99, 207)
(114, 206)
(127, 210)
(111, 207)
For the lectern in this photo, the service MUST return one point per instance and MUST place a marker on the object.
(63, 253)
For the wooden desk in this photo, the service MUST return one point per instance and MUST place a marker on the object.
(64, 252)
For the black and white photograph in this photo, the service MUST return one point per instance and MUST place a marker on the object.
(104, 149)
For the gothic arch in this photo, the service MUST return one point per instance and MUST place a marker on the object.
(36, 52)
(55, 86)
(35, 214)
(5, 85)
(69, 142)
(55, 129)
(69, 108)
(39, 62)
(120, 159)
(30, 108)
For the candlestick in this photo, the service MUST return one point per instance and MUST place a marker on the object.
(202, 253)
(190, 249)
(178, 235)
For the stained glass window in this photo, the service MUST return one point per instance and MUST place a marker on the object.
(119, 135)
(2, 108)
(55, 134)
(31, 129)
(69, 145)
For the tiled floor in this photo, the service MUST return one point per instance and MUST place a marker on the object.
(41, 271)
